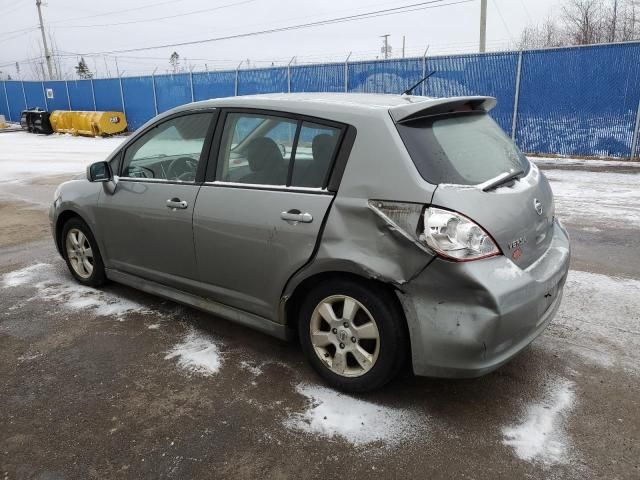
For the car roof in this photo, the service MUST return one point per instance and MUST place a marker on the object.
(336, 106)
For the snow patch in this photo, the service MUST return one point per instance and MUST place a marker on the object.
(25, 155)
(332, 414)
(602, 200)
(68, 293)
(541, 437)
(254, 369)
(197, 353)
(599, 319)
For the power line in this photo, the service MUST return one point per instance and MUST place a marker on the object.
(143, 7)
(349, 18)
(506, 27)
(168, 17)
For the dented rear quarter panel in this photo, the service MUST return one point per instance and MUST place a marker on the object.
(355, 239)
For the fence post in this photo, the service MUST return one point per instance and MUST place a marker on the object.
(24, 95)
(93, 95)
(636, 133)
(424, 70)
(193, 98)
(66, 86)
(235, 83)
(6, 98)
(153, 84)
(122, 96)
(346, 73)
(289, 74)
(44, 95)
(516, 101)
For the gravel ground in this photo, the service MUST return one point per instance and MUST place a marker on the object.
(119, 384)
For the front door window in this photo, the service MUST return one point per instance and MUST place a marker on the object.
(169, 151)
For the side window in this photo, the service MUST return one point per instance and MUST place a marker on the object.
(169, 151)
(255, 149)
(314, 155)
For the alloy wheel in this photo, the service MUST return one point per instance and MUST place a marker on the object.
(79, 253)
(345, 336)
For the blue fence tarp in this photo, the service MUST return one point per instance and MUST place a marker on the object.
(138, 100)
(318, 78)
(264, 80)
(572, 101)
(580, 101)
(56, 98)
(80, 95)
(207, 85)
(172, 90)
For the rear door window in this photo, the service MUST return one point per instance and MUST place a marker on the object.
(461, 149)
(274, 150)
(315, 152)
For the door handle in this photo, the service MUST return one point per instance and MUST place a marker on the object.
(296, 216)
(177, 203)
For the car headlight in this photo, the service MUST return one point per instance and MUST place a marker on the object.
(455, 236)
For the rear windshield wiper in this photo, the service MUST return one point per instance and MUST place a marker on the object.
(501, 179)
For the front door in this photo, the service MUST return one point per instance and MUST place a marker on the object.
(257, 222)
(146, 223)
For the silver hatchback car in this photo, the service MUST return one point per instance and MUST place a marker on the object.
(377, 229)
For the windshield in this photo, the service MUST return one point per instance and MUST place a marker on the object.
(461, 149)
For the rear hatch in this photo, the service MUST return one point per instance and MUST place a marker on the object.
(465, 153)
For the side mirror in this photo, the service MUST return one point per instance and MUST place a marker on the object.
(99, 172)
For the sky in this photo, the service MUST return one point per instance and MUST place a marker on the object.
(90, 28)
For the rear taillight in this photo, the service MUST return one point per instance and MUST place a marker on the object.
(455, 236)
(436, 230)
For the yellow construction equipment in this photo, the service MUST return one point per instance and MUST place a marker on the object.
(3, 122)
(92, 124)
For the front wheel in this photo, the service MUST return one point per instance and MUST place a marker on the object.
(353, 334)
(81, 253)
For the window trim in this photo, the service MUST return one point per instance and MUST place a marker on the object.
(204, 153)
(212, 164)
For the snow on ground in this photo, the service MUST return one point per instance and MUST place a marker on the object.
(602, 199)
(197, 353)
(26, 155)
(69, 294)
(581, 162)
(332, 414)
(599, 319)
(541, 436)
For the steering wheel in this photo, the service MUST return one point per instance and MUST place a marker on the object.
(137, 171)
(182, 168)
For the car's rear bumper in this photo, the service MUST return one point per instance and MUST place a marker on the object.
(467, 319)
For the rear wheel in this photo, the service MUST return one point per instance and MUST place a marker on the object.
(81, 253)
(353, 334)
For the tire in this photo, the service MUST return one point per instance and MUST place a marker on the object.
(76, 239)
(362, 361)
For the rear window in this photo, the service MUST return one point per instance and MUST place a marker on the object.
(461, 149)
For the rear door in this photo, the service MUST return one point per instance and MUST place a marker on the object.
(146, 223)
(258, 217)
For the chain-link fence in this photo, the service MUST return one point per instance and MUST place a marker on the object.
(568, 101)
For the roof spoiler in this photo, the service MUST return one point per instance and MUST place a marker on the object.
(414, 110)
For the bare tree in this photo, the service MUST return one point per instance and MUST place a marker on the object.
(547, 35)
(583, 21)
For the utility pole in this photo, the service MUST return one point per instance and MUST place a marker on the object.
(614, 21)
(403, 43)
(483, 26)
(385, 49)
(47, 55)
